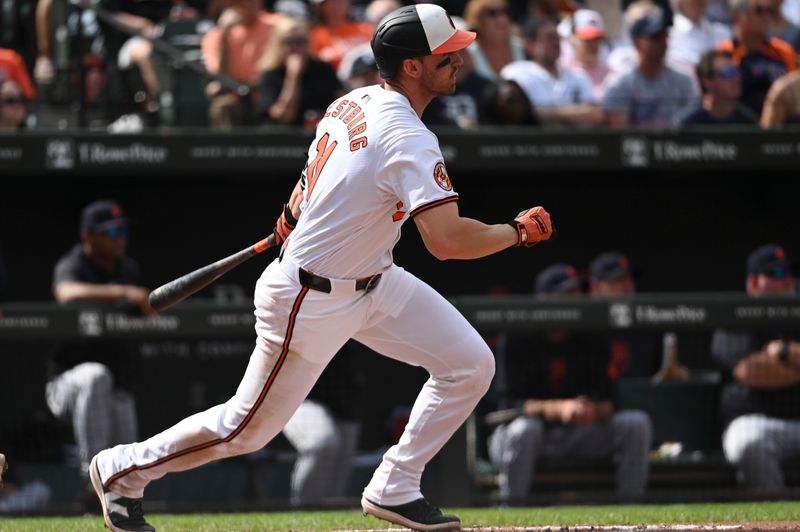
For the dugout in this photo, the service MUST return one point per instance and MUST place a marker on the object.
(685, 207)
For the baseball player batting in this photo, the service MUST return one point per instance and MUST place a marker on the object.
(372, 166)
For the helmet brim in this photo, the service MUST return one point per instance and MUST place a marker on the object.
(458, 41)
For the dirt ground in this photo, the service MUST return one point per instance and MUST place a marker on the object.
(771, 525)
(766, 525)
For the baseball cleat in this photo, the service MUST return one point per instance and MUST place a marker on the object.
(120, 514)
(3, 468)
(416, 515)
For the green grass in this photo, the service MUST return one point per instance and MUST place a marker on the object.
(352, 519)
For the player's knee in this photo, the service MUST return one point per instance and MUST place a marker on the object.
(483, 367)
(326, 444)
(633, 424)
(96, 376)
(743, 444)
(527, 430)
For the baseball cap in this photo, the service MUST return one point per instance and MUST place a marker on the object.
(588, 24)
(557, 279)
(356, 61)
(608, 266)
(101, 215)
(415, 31)
(769, 259)
(648, 25)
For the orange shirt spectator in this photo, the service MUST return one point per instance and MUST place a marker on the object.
(335, 32)
(12, 66)
(246, 45)
(330, 44)
(760, 68)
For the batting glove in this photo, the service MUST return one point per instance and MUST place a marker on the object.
(284, 225)
(533, 226)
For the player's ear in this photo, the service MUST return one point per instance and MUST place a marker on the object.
(412, 67)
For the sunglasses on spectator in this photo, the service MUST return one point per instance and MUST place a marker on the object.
(778, 273)
(728, 72)
(762, 10)
(12, 100)
(496, 11)
(114, 231)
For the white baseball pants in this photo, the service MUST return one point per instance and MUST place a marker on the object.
(299, 331)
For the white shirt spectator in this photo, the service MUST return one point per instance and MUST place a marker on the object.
(544, 90)
(688, 41)
(791, 10)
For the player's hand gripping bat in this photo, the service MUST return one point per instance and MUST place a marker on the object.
(179, 289)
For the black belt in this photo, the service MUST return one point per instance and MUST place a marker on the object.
(323, 284)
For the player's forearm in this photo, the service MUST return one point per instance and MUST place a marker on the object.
(580, 114)
(471, 239)
(287, 105)
(760, 371)
(70, 291)
(296, 199)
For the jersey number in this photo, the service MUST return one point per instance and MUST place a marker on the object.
(315, 167)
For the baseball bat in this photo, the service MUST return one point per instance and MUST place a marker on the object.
(179, 289)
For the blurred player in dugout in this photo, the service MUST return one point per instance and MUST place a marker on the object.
(560, 380)
(761, 403)
(88, 381)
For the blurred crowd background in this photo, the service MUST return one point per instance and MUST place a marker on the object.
(125, 66)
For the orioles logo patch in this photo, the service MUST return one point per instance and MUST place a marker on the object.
(441, 177)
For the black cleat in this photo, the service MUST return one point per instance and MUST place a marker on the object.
(120, 514)
(416, 515)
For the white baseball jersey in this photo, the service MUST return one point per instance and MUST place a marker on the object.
(372, 165)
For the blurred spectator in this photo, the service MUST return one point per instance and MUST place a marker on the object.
(12, 67)
(507, 105)
(465, 108)
(335, 32)
(295, 87)
(133, 54)
(358, 68)
(651, 94)
(292, 8)
(782, 28)
(560, 382)
(782, 105)
(496, 44)
(623, 56)
(234, 48)
(45, 70)
(88, 381)
(325, 431)
(560, 95)
(692, 33)
(13, 108)
(762, 59)
(377, 9)
(556, 9)
(720, 80)
(587, 36)
(791, 10)
(760, 404)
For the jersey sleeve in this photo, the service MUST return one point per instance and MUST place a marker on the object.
(416, 173)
